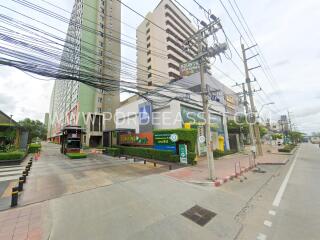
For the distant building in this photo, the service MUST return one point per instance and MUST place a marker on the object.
(88, 52)
(46, 119)
(182, 113)
(160, 47)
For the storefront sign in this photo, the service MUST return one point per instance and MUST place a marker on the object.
(165, 141)
(183, 153)
(141, 139)
(187, 69)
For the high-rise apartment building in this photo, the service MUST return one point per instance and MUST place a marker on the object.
(160, 45)
(92, 51)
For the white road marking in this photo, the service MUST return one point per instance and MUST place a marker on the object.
(261, 236)
(277, 199)
(267, 223)
(271, 212)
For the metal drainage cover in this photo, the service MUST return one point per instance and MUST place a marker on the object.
(199, 215)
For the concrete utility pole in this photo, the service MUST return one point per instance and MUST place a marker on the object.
(289, 120)
(253, 109)
(252, 139)
(203, 52)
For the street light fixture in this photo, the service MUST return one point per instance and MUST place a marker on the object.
(266, 104)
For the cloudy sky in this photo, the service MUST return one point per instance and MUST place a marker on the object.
(286, 32)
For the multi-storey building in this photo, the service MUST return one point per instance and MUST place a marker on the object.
(92, 51)
(160, 39)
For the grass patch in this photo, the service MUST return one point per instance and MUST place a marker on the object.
(76, 155)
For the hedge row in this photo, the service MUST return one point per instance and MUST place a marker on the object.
(114, 152)
(15, 155)
(34, 147)
(219, 153)
(149, 153)
(287, 148)
(76, 155)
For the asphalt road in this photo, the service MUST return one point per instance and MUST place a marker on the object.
(289, 205)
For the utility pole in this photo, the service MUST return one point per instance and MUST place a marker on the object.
(252, 106)
(203, 53)
(289, 120)
(252, 139)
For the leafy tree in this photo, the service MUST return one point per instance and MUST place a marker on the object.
(296, 136)
(241, 127)
(263, 130)
(36, 129)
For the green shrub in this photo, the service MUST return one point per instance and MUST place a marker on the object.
(191, 158)
(34, 147)
(174, 158)
(162, 155)
(218, 153)
(287, 148)
(15, 155)
(76, 155)
(114, 152)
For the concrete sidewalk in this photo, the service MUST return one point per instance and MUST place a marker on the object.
(227, 167)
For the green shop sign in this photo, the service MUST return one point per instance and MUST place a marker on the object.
(183, 153)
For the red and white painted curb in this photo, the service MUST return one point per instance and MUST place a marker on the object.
(219, 182)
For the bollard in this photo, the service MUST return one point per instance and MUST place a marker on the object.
(24, 177)
(20, 186)
(26, 173)
(14, 197)
(27, 169)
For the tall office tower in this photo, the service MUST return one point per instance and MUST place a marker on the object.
(92, 51)
(160, 45)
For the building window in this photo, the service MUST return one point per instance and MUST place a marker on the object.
(148, 30)
(101, 44)
(149, 75)
(150, 83)
(102, 2)
(149, 52)
(149, 67)
(100, 100)
(149, 44)
(148, 38)
(102, 10)
(99, 110)
(149, 60)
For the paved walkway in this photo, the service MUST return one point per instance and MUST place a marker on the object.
(227, 166)
(23, 223)
(53, 176)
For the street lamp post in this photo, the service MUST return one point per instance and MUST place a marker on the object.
(266, 104)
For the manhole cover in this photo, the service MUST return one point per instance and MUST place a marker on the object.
(199, 215)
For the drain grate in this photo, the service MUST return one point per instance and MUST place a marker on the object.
(199, 215)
